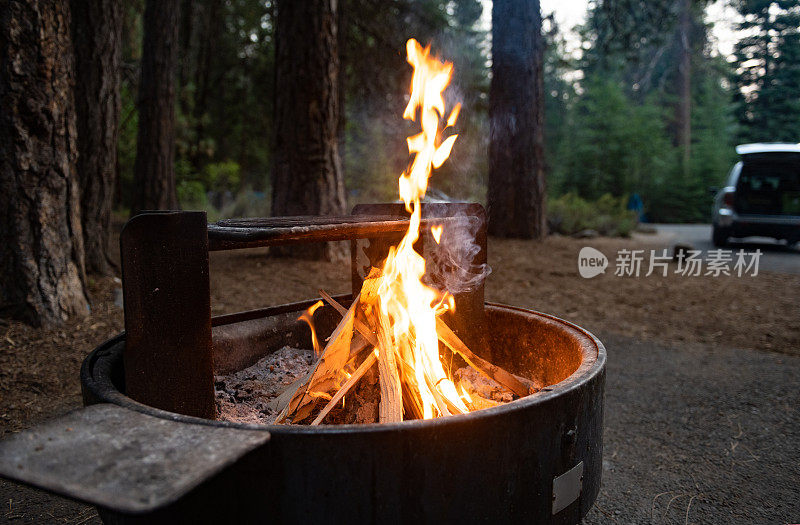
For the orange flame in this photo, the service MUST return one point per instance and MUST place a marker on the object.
(436, 231)
(410, 305)
(308, 317)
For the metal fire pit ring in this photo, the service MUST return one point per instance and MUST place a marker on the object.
(537, 459)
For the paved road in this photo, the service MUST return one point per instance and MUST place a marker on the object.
(776, 257)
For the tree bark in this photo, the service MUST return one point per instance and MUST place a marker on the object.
(41, 243)
(341, 127)
(684, 107)
(190, 13)
(516, 195)
(97, 41)
(212, 27)
(154, 172)
(307, 175)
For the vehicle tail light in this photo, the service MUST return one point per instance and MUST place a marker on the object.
(727, 199)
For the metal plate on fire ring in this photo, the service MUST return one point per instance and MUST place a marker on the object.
(567, 487)
(122, 459)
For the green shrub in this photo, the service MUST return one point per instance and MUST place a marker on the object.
(570, 214)
(222, 176)
(192, 195)
(219, 177)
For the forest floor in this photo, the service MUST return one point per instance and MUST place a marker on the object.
(698, 318)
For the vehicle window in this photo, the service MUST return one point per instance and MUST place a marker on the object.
(769, 189)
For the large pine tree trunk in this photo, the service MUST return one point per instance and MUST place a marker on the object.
(202, 23)
(97, 40)
(307, 175)
(516, 195)
(684, 107)
(342, 30)
(41, 242)
(154, 172)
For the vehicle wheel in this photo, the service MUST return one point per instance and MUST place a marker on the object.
(719, 237)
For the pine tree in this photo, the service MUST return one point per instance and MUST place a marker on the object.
(97, 39)
(155, 146)
(768, 70)
(307, 175)
(516, 194)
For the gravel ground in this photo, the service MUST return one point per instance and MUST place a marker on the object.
(696, 434)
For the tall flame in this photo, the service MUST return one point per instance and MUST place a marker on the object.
(308, 317)
(410, 305)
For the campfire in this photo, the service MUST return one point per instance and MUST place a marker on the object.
(395, 325)
(413, 385)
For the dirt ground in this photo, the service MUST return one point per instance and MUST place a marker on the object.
(758, 312)
(39, 369)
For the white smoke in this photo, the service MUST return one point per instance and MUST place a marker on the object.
(451, 264)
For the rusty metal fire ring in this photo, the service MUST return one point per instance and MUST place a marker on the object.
(537, 459)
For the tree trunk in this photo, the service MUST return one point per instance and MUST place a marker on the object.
(190, 10)
(97, 40)
(516, 195)
(684, 107)
(41, 242)
(213, 26)
(154, 172)
(307, 174)
(341, 131)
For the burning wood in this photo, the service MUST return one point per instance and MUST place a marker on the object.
(325, 373)
(299, 405)
(519, 385)
(363, 329)
(371, 359)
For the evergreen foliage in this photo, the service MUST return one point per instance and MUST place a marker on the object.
(610, 125)
(768, 70)
(618, 136)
